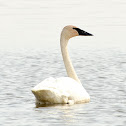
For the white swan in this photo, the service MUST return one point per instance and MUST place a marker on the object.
(63, 90)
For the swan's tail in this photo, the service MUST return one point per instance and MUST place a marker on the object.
(50, 96)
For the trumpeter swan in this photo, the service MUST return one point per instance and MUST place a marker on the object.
(63, 90)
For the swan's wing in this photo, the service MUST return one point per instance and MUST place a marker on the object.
(50, 91)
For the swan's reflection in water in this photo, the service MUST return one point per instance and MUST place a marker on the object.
(50, 105)
(61, 113)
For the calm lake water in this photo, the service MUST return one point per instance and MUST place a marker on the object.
(102, 72)
(29, 53)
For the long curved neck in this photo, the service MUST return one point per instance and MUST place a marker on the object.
(67, 62)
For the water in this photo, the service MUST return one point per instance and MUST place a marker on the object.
(102, 72)
(29, 51)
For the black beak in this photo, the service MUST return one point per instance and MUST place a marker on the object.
(81, 32)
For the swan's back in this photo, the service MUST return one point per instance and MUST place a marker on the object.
(61, 90)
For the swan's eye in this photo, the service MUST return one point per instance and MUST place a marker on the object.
(81, 32)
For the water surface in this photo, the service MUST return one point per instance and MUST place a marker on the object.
(102, 72)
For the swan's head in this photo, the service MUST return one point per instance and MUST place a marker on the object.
(71, 31)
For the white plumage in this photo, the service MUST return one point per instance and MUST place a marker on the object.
(63, 90)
